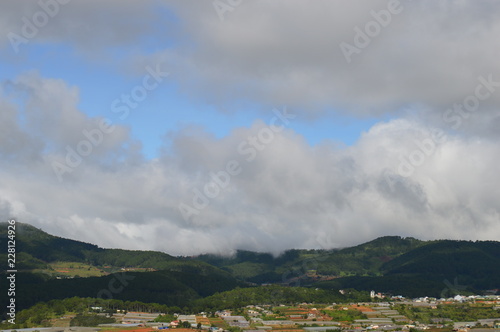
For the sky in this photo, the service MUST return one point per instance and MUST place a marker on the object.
(214, 125)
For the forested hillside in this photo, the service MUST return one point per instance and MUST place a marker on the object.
(53, 268)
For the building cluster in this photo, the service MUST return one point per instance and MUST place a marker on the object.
(379, 316)
(305, 317)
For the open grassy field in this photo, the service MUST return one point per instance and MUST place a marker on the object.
(73, 269)
(218, 322)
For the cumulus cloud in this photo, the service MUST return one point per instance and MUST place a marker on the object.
(286, 195)
(90, 26)
(429, 53)
(428, 172)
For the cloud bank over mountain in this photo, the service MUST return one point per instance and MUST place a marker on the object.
(427, 168)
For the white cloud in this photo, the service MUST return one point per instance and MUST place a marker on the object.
(267, 53)
(430, 54)
(290, 195)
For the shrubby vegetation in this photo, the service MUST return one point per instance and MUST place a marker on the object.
(457, 312)
(173, 288)
(39, 314)
(274, 294)
(391, 264)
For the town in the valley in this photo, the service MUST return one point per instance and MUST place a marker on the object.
(394, 313)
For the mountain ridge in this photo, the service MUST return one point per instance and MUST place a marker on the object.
(392, 264)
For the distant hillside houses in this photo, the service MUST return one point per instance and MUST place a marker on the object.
(236, 321)
(191, 319)
(139, 317)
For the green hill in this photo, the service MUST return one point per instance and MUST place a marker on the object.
(36, 250)
(177, 281)
(449, 258)
(275, 295)
(163, 287)
(437, 268)
(391, 264)
(364, 259)
(473, 263)
(367, 258)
